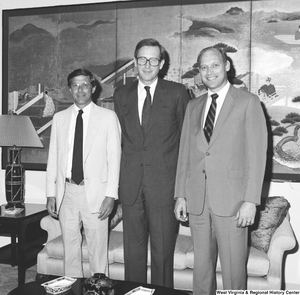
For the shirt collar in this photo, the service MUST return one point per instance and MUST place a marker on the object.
(141, 85)
(222, 92)
(86, 109)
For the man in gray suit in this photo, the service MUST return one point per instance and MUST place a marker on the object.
(150, 142)
(220, 173)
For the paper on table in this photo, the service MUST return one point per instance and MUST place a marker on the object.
(141, 291)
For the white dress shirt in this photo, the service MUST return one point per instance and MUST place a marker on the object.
(220, 100)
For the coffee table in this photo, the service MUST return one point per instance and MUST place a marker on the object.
(35, 288)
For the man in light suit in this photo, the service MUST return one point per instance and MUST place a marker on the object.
(85, 202)
(148, 165)
(219, 179)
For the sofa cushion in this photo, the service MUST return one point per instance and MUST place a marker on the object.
(119, 254)
(55, 248)
(273, 211)
(115, 241)
(182, 247)
(189, 258)
(258, 262)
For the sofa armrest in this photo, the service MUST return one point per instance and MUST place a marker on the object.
(52, 227)
(282, 240)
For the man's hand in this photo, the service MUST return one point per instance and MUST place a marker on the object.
(51, 202)
(246, 214)
(180, 210)
(106, 208)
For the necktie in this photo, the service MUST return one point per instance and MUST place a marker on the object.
(146, 109)
(77, 163)
(210, 118)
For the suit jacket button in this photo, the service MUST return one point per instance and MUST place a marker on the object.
(142, 165)
(203, 171)
(207, 153)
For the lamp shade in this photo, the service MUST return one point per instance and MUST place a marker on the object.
(18, 131)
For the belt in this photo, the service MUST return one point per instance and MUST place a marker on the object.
(69, 180)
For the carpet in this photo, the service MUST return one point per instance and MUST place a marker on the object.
(9, 277)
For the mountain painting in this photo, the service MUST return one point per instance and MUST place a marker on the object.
(260, 37)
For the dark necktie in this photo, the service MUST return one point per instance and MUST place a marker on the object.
(146, 109)
(210, 118)
(77, 163)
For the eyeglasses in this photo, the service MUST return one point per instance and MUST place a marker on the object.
(85, 85)
(154, 62)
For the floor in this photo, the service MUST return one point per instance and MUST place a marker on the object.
(9, 277)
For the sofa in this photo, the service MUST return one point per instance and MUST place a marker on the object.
(268, 244)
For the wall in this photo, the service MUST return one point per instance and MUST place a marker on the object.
(35, 181)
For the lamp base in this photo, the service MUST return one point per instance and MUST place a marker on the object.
(15, 180)
(14, 205)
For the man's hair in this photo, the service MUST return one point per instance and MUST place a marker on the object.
(82, 72)
(150, 42)
(218, 48)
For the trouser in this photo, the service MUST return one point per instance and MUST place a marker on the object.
(212, 234)
(74, 214)
(139, 221)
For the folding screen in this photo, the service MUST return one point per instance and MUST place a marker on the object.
(42, 46)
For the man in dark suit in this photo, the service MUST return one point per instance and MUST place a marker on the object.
(220, 174)
(151, 124)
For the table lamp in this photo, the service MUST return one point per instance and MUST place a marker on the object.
(16, 132)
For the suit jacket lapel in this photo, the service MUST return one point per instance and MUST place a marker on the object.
(93, 126)
(200, 116)
(65, 123)
(130, 107)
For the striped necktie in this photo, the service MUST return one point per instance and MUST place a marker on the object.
(210, 118)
